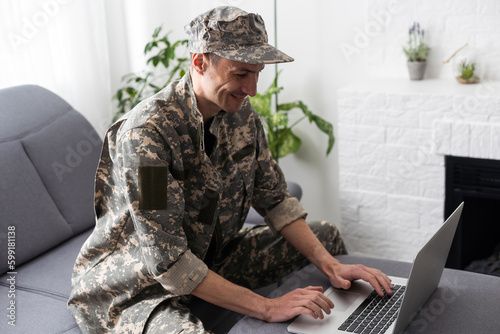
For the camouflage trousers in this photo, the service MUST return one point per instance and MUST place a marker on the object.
(257, 258)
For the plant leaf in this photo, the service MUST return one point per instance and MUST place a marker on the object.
(306, 111)
(271, 91)
(261, 104)
(157, 32)
(287, 142)
(279, 119)
(323, 126)
(327, 128)
(288, 106)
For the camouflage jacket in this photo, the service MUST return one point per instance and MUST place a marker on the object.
(159, 198)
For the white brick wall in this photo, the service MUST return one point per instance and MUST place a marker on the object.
(448, 24)
(392, 136)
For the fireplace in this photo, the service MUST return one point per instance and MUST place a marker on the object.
(477, 183)
(393, 136)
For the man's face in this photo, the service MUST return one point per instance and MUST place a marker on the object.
(227, 83)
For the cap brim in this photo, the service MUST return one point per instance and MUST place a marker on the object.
(256, 54)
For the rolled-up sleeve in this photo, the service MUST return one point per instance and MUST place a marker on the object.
(285, 213)
(185, 275)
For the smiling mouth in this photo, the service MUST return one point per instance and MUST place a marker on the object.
(239, 98)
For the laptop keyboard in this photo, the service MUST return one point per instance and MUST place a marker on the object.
(376, 313)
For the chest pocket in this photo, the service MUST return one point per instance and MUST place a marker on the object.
(244, 168)
(244, 164)
(244, 152)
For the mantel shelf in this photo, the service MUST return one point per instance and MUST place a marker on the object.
(484, 89)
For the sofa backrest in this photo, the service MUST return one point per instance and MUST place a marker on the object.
(48, 158)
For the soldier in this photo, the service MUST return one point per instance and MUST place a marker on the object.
(175, 181)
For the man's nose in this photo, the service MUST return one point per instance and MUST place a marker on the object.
(250, 86)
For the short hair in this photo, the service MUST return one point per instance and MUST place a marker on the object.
(212, 57)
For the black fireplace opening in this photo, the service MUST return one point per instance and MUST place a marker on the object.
(476, 182)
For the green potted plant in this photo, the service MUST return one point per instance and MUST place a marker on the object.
(416, 52)
(168, 66)
(466, 72)
(280, 136)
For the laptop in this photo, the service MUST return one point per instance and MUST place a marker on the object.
(353, 307)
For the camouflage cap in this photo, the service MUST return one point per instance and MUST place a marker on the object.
(234, 34)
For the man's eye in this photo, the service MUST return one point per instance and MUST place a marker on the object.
(242, 75)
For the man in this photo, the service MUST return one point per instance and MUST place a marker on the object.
(176, 179)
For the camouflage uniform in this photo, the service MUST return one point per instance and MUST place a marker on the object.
(161, 201)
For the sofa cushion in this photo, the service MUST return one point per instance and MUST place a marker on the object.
(26, 205)
(35, 313)
(67, 168)
(42, 288)
(48, 158)
(50, 273)
(24, 109)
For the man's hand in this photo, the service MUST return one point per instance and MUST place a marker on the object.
(217, 290)
(341, 275)
(344, 274)
(310, 301)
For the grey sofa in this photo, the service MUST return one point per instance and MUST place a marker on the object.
(48, 157)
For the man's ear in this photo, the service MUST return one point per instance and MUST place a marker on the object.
(198, 62)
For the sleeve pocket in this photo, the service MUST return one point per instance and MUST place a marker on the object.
(153, 183)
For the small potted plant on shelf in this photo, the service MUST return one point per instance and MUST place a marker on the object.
(466, 72)
(416, 52)
(465, 67)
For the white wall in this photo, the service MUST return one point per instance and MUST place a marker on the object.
(335, 43)
(311, 34)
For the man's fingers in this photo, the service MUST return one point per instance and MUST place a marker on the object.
(310, 301)
(317, 302)
(346, 284)
(383, 280)
(378, 280)
(307, 311)
(325, 298)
